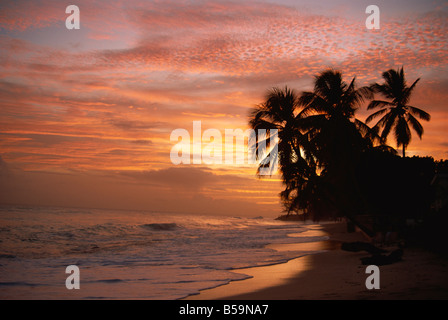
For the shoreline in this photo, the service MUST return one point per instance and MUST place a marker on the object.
(334, 274)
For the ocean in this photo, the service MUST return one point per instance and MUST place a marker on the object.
(133, 254)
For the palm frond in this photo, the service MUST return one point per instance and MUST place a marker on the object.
(387, 122)
(366, 131)
(419, 113)
(366, 92)
(386, 148)
(378, 104)
(415, 125)
(312, 103)
(376, 114)
(329, 85)
(258, 123)
(281, 103)
(408, 92)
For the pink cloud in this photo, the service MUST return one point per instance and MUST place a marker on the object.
(114, 109)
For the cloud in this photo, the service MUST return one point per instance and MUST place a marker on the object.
(247, 38)
(188, 179)
(133, 191)
(23, 14)
(129, 125)
(107, 99)
(4, 168)
(142, 142)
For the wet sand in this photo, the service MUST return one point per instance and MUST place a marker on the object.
(334, 274)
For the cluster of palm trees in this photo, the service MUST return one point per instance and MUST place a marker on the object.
(320, 141)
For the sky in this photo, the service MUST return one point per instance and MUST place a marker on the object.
(86, 114)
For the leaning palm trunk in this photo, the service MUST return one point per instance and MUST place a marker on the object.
(369, 232)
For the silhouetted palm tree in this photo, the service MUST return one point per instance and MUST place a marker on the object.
(396, 114)
(280, 111)
(337, 137)
(277, 112)
(330, 108)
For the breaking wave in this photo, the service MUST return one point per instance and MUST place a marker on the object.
(161, 226)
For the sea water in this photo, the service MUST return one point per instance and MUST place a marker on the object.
(132, 255)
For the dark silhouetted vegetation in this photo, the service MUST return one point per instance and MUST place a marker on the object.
(334, 165)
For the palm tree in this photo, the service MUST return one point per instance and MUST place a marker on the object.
(338, 138)
(397, 114)
(277, 112)
(319, 140)
(337, 135)
(280, 111)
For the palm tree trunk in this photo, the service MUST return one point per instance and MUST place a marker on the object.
(404, 151)
(368, 231)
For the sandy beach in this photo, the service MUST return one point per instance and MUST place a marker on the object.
(335, 274)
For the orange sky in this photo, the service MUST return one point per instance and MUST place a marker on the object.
(86, 115)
